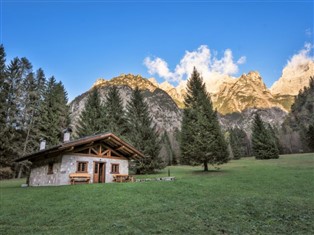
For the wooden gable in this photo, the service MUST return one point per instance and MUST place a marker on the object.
(99, 150)
(104, 145)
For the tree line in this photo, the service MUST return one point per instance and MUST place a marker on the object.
(31, 107)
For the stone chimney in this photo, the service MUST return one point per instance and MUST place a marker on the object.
(67, 134)
(42, 145)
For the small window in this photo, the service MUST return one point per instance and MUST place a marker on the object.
(50, 168)
(115, 168)
(81, 167)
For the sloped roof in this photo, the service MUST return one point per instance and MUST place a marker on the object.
(112, 141)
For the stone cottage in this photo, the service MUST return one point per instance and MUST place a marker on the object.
(93, 159)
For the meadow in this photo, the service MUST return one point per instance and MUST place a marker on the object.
(246, 196)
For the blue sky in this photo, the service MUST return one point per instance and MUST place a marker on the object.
(80, 41)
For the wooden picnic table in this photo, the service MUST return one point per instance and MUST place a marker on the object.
(123, 178)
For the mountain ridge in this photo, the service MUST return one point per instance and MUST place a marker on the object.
(230, 94)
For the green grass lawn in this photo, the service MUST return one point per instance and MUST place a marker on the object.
(247, 196)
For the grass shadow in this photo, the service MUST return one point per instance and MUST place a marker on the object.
(210, 172)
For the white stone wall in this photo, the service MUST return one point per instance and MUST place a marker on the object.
(69, 165)
(123, 168)
(65, 165)
(39, 174)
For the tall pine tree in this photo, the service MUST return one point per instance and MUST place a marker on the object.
(54, 112)
(92, 118)
(6, 152)
(239, 143)
(263, 142)
(143, 134)
(33, 134)
(310, 136)
(12, 111)
(202, 141)
(115, 120)
(235, 144)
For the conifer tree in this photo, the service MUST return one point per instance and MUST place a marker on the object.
(35, 87)
(239, 142)
(273, 132)
(12, 107)
(61, 97)
(235, 144)
(5, 135)
(310, 136)
(14, 96)
(29, 86)
(92, 118)
(115, 120)
(54, 112)
(3, 89)
(263, 143)
(202, 141)
(142, 133)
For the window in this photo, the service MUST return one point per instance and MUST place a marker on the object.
(81, 166)
(50, 168)
(115, 168)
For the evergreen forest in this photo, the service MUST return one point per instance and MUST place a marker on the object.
(33, 107)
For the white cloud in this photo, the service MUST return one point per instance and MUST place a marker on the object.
(158, 66)
(208, 64)
(242, 60)
(301, 58)
(308, 32)
(225, 65)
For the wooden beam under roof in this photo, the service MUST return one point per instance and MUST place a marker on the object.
(114, 151)
(70, 149)
(119, 148)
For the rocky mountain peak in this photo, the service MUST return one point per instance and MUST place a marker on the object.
(248, 91)
(253, 76)
(153, 80)
(166, 86)
(127, 80)
(99, 82)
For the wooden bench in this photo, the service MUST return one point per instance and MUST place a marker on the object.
(123, 178)
(79, 178)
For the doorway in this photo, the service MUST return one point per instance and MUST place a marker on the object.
(99, 172)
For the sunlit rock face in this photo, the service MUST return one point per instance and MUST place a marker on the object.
(248, 91)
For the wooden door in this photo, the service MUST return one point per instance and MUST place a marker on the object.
(96, 172)
(99, 172)
(102, 172)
